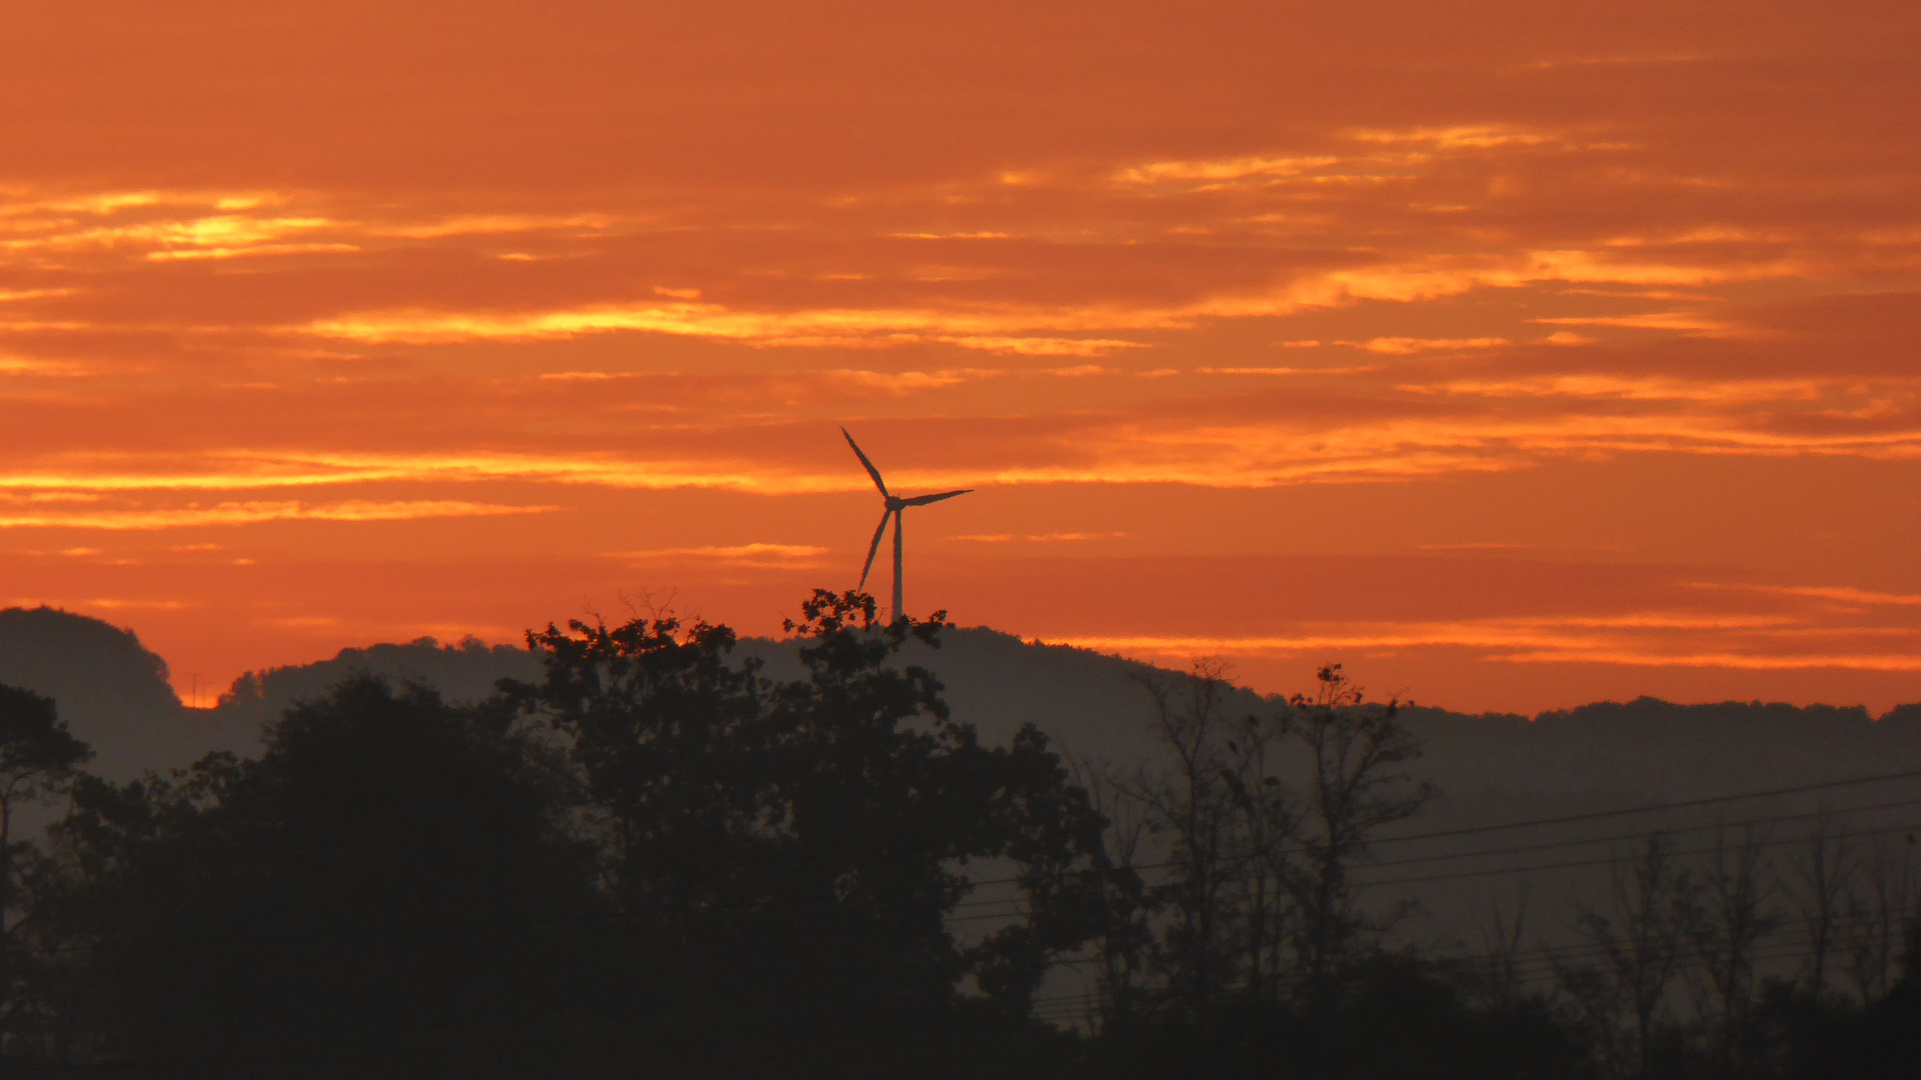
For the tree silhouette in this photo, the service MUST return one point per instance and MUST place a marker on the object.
(784, 854)
(1357, 785)
(389, 872)
(1200, 803)
(1263, 817)
(1637, 931)
(1722, 921)
(658, 860)
(38, 758)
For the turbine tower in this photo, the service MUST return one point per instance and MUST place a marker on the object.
(895, 505)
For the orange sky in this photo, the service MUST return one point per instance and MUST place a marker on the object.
(1515, 354)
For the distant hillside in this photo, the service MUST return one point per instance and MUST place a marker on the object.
(464, 672)
(110, 690)
(1086, 701)
(114, 693)
(1491, 769)
(1093, 707)
(1089, 703)
(1652, 749)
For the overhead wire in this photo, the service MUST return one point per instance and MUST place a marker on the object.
(1646, 808)
(1840, 812)
(1525, 965)
(1507, 870)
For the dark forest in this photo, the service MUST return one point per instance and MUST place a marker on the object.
(659, 859)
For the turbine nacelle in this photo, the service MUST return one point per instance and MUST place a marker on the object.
(893, 506)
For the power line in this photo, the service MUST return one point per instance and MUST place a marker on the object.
(1617, 837)
(1615, 859)
(444, 926)
(1647, 808)
(1498, 871)
(1655, 807)
(1517, 849)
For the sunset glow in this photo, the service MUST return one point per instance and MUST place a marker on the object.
(1514, 355)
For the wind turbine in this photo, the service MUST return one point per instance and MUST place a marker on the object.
(895, 505)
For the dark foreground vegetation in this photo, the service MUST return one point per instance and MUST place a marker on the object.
(658, 862)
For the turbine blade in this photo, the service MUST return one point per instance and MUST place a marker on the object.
(871, 471)
(873, 548)
(923, 500)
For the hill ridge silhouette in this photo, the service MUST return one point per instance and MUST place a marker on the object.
(1490, 767)
(114, 693)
